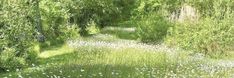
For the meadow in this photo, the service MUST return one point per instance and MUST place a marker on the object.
(107, 56)
(116, 39)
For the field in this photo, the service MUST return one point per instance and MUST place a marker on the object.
(107, 56)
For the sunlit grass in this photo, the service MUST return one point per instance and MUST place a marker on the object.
(107, 56)
(64, 49)
(101, 62)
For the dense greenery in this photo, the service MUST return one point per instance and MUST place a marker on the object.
(16, 35)
(28, 28)
(212, 34)
(152, 28)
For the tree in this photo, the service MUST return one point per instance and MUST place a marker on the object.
(38, 24)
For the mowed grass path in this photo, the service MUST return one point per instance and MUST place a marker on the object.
(107, 56)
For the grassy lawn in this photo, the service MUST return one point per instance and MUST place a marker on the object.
(101, 62)
(97, 57)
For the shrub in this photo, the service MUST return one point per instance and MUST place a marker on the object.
(8, 59)
(16, 35)
(209, 36)
(56, 22)
(152, 28)
(212, 34)
(55, 18)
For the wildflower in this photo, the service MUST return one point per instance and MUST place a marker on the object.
(20, 76)
(117, 73)
(100, 73)
(44, 73)
(82, 70)
(17, 70)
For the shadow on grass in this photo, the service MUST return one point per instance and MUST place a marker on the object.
(81, 54)
(51, 45)
(121, 32)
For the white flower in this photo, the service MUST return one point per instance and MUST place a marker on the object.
(82, 70)
(100, 73)
(17, 70)
(20, 76)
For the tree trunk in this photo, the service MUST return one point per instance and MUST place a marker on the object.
(40, 35)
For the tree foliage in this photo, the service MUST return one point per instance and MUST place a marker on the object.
(16, 34)
(212, 34)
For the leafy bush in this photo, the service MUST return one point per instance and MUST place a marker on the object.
(85, 11)
(16, 35)
(55, 18)
(212, 34)
(151, 19)
(152, 28)
(56, 22)
(8, 59)
(101, 12)
(209, 36)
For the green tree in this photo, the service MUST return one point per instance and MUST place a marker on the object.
(16, 35)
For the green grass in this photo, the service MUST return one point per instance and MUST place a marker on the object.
(62, 61)
(94, 62)
(121, 32)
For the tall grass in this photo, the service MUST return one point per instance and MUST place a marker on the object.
(101, 62)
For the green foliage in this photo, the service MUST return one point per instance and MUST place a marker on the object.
(163, 7)
(150, 17)
(55, 18)
(211, 8)
(152, 28)
(55, 21)
(16, 34)
(85, 11)
(102, 13)
(18, 29)
(211, 35)
(8, 60)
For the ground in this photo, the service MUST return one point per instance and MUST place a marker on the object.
(113, 54)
